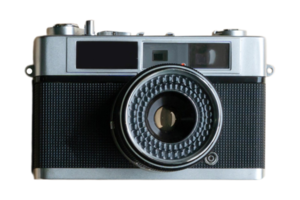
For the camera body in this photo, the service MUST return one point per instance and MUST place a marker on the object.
(79, 105)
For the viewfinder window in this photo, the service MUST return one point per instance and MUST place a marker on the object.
(160, 55)
(107, 55)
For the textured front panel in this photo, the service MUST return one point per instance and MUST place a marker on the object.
(74, 127)
(242, 140)
(71, 126)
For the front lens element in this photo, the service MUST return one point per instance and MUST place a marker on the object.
(164, 119)
(171, 116)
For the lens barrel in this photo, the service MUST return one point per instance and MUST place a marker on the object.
(167, 118)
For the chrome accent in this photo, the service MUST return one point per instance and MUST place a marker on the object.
(170, 33)
(270, 67)
(89, 27)
(141, 33)
(230, 32)
(114, 32)
(211, 159)
(29, 67)
(117, 32)
(65, 29)
(105, 32)
(104, 173)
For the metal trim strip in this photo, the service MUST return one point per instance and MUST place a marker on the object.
(133, 173)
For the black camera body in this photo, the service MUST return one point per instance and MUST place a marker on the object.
(115, 106)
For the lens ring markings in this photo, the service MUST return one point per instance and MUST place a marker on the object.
(145, 141)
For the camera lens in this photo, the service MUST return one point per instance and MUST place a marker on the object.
(171, 117)
(167, 118)
(164, 119)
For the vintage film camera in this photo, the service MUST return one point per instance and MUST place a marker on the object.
(118, 106)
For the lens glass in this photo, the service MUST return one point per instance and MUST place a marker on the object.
(171, 117)
(164, 119)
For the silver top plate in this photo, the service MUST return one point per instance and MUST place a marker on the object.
(56, 55)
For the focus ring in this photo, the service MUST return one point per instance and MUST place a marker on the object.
(146, 140)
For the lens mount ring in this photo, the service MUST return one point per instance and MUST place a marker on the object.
(148, 149)
(140, 135)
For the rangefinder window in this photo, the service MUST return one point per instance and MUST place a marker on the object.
(209, 55)
(196, 55)
(106, 55)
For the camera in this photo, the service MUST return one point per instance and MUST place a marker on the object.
(113, 105)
